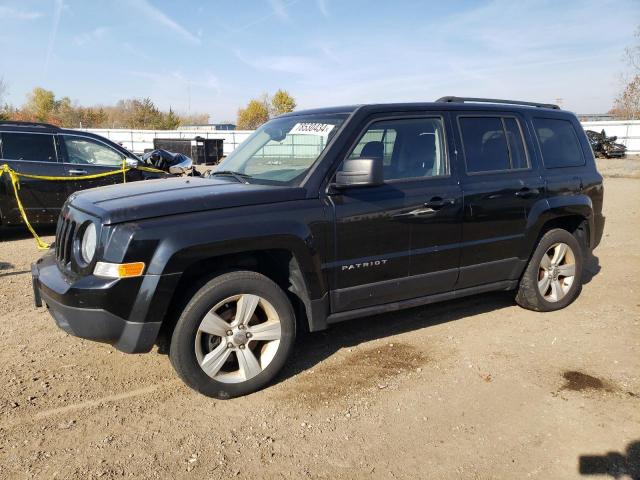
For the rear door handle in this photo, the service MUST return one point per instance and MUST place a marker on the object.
(527, 192)
(78, 172)
(438, 202)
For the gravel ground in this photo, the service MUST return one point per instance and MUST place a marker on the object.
(628, 167)
(473, 389)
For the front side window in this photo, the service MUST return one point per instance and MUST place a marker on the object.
(28, 146)
(558, 142)
(283, 150)
(86, 151)
(410, 148)
(492, 144)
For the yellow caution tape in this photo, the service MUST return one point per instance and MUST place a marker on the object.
(15, 183)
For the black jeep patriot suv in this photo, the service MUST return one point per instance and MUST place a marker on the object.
(322, 216)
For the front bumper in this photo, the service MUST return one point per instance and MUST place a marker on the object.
(76, 309)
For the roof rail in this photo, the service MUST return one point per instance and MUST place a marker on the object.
(18, 123)
(496, 100)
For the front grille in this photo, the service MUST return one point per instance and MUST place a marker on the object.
(64, 239)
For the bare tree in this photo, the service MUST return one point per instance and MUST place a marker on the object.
(632, 53)
(3, 106)
(626, 106)
(3, 91)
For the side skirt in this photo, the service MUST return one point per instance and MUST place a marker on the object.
(416, 302)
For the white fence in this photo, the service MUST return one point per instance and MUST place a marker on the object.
(138, 141)
(627, 131)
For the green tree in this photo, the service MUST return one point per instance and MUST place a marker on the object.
(67, 114)
(253, 115)
(282, 103)
(41, 104)
(145, 114)
(170, 121)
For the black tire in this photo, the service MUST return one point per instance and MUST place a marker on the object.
(182, 350)
(529, 295)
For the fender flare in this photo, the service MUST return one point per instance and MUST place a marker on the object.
(554, 208)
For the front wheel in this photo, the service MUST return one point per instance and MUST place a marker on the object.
(553, 278)
(234, 335)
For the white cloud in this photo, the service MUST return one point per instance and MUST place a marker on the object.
(279, 8)
(135, 51)
(158, 16)
(293, 64)
(57, 12)
(8, 13)
(322, 6)
(88, 37)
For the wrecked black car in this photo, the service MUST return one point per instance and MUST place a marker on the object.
(605, 147)
(174, 163)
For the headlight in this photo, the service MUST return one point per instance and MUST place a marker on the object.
(88, 243)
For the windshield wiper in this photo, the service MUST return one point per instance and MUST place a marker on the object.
(241, 177)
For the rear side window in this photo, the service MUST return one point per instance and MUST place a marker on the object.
(492, 144)
(558, 142)
(28, 146)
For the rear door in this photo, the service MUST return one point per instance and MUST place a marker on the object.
(500, 187)
(88, 156)
(36, 154)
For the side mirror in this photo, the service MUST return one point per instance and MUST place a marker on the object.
(360, 172)
(131, 162)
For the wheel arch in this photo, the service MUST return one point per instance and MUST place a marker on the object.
(573, 213)
(281, 265)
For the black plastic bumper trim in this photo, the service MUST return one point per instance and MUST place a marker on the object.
(102, 326)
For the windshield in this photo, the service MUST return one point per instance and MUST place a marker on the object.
(282, 150)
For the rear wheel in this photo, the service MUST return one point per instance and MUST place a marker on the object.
(233, 336)
(553, 276)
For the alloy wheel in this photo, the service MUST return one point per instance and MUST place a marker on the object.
(238, 338)
(556, 272)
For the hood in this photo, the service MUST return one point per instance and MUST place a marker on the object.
(175, 195)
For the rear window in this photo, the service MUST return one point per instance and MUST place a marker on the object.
(558, 142)
(492, 144)
(28, 146)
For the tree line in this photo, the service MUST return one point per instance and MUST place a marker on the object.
(140, 113)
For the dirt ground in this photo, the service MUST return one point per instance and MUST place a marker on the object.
(472, 389)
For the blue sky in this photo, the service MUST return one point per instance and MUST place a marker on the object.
(213, 56)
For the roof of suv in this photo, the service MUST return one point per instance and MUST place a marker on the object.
(444, 103)
(38, 127)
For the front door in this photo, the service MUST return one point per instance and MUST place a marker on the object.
(87, 156)
(500, 187)
(35, 154)
(374, 226)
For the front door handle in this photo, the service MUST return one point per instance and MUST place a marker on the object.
(526, 192)
(78, 172)
(438, 202)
